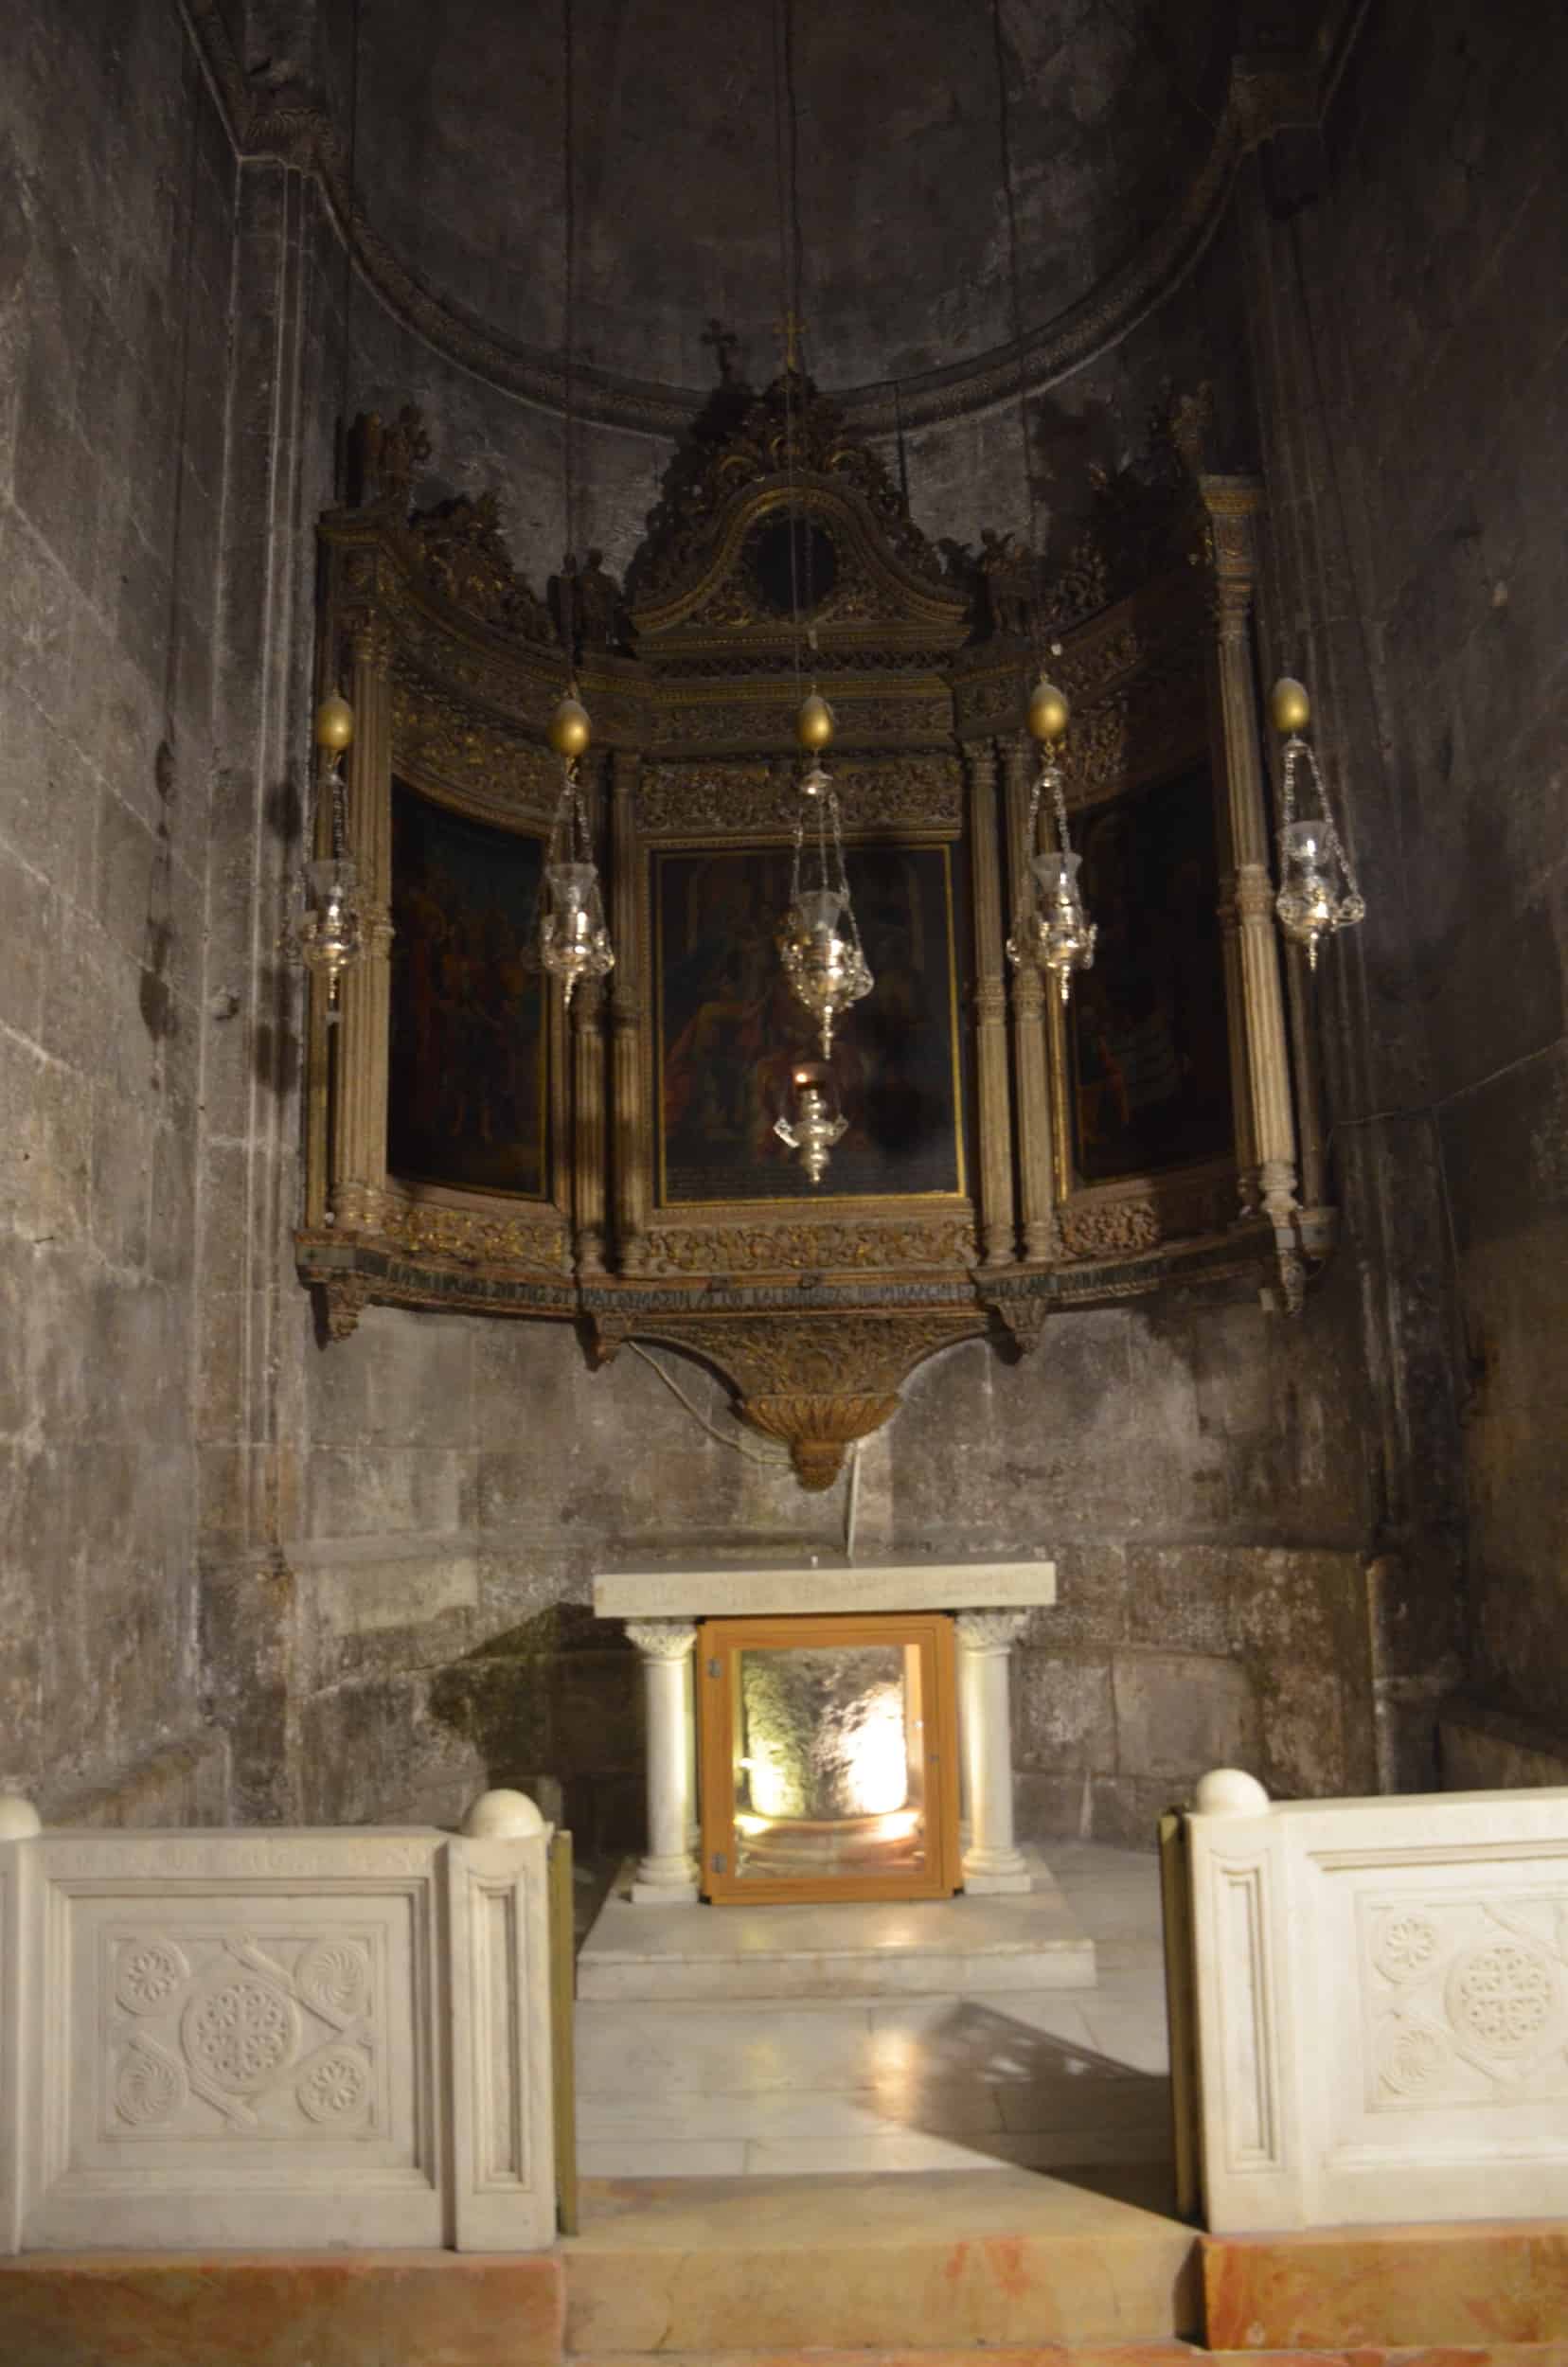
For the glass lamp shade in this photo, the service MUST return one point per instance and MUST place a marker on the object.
(1062, 934)
(822, 958)
(574, 942)
(814, 1122)
(330, 934)
(1314, 897)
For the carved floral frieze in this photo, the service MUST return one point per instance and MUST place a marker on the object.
(849, 1247)
(918, 716)
(915, 792)
(438, 736)
(472, 1237)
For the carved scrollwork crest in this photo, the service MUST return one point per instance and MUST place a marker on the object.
(818, 1381)
(789, 429)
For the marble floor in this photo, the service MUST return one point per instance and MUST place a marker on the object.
(1054, 2079)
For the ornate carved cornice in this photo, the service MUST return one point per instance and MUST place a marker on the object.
(762, 800)
(1265, 95)
(864, 1245)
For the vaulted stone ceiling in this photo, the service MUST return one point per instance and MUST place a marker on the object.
(1113, 111)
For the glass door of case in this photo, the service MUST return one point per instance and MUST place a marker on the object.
(828, 1757)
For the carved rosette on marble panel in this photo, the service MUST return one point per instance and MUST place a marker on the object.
(1466, 1999)
(226, 2034)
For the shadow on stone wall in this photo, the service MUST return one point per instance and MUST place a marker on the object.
(554, 1708)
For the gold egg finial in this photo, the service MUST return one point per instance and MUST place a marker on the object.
(1289, 706)
(569, 728)
(814, 721)
(335, 724)
(1048, 711)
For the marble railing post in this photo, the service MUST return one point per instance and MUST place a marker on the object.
(985, 1638)
(667, 1875)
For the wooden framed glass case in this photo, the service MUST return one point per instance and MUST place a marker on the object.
(828, 1757)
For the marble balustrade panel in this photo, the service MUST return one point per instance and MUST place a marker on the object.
(280, 2039)
(1382, 2009)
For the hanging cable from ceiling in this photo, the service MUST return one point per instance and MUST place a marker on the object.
(1050, 925)
(818, 938)
(572, 937)
(329, 933)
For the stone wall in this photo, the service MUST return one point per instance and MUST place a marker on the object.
(1434, 269)
(117, 207)
(1198, 1471)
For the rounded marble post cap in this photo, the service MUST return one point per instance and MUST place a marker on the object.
(19, 1819)
(1229, 1792)
(503, 1815)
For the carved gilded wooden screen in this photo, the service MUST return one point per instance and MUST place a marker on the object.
(472, 1145)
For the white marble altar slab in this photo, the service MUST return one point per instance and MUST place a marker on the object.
(696, 1594)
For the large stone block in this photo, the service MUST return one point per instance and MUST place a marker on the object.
(1177, 1714)
(372, 1754)
(45, 1156)
(375, 1490)
(1179, 1597)
(1063, 1711)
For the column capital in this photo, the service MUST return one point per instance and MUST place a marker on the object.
(663, 1639)
(987, 1631)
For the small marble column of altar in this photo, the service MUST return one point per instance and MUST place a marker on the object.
(667, 1875)
(993, 1862)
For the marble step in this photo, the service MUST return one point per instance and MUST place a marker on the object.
(929, 1948)
(930, 2261)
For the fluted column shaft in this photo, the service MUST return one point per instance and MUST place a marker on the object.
(588, 1118)
(629, 1149)
(1232, 502)
(360, 1066)
(1039, 1240)
(991, 1013)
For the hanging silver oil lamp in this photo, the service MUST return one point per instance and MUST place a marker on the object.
(818, 939)
(1051, 927)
